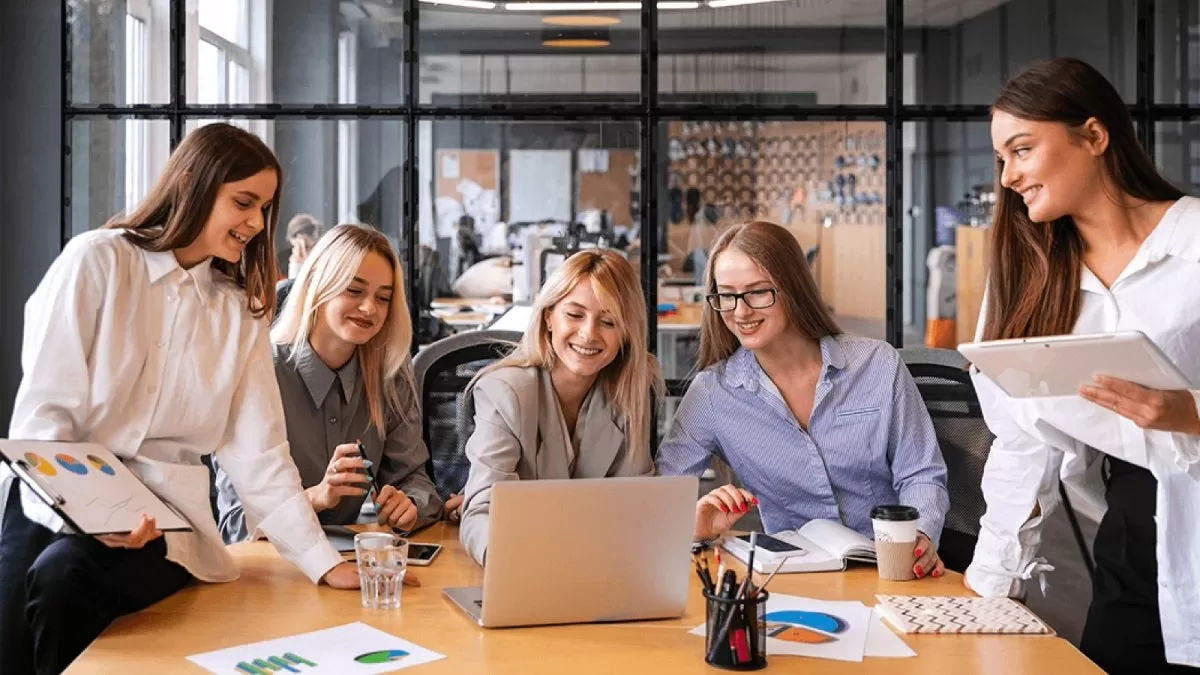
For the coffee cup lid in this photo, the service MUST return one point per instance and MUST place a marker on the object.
(894, 512)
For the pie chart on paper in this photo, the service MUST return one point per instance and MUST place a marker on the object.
(804, 627)
(101, 465)
(40, 464)
(382, 656)
(71, 464)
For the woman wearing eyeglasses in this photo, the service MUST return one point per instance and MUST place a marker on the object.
(816, 423)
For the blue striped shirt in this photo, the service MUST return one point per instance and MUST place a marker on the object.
(869, 440)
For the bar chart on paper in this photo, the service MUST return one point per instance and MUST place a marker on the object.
(287, 661)
(350, 648)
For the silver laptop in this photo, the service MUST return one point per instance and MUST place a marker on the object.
(585, 550)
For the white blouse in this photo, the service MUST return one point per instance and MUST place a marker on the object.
(162, 365)
(1037, 440)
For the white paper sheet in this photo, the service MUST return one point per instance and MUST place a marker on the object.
(818, 628)
(343, 650)
(881, 641)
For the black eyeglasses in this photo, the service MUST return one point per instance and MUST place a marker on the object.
(759, 298)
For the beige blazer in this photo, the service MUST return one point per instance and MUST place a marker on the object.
(520, 434)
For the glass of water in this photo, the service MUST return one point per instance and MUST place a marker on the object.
(382, 561)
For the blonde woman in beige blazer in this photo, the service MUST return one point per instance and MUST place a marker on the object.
(573, 399)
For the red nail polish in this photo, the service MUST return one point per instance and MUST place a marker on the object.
(724, 508)
(917, 553)
(920, 572)
(937, 573)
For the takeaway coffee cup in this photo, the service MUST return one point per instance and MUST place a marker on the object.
(895, 538)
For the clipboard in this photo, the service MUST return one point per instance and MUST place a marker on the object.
(88, 486)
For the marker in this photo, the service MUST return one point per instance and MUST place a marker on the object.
(362, 452)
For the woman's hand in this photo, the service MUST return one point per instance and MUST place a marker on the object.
(718, 510)
(143, 534)
(452, 511)
(928, 563)
(396, 508)
(1173, 411)
(341, 479)
(343, 576)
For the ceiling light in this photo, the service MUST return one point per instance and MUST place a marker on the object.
(734, 3)
(679, 5)
(580, 20)
(472, 4)
(571, 6)
(575, 38)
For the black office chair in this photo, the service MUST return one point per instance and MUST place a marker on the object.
(442, 371)
(965, 441)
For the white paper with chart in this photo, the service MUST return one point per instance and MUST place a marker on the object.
(88, 485)
(344, 650)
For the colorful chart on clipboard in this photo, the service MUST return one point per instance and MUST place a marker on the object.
(88, 485)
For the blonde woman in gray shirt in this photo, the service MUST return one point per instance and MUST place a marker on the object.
(341, 349)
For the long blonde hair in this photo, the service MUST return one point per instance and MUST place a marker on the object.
(774, 249)
(329, 269)
(628, 381)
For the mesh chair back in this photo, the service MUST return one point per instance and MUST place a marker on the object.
(442, 372)
(965, 441)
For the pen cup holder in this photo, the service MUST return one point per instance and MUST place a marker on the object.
(735, 632)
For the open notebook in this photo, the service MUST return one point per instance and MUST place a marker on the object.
(822, 546)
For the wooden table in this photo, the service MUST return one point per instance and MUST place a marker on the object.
(272, 600)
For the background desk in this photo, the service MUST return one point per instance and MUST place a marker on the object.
(273, 599)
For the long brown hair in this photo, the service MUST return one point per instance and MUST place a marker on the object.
(174, 212)
(1035, 268)
(634, 375)
(328, 271)
(776, 251)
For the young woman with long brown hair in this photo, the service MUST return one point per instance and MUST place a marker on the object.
(573, 399)
(1087, 237)
(149, 336)
(816, 423)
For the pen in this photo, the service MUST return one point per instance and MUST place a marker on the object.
(747, 584)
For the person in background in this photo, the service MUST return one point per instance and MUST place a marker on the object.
(149, 337)
(303, 231)
(816, 423)
(1087, 237)
(342, 361)
(573, 399)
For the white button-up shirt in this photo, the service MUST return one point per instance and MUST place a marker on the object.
(1037, 440)
(162, 365)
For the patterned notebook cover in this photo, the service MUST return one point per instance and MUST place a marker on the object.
(966, 614)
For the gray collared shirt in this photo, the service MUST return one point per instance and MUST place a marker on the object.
(324, 408)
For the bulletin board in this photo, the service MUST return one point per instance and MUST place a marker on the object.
(454, 166)
(610, 190)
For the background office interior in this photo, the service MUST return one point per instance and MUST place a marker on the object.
(859, 124)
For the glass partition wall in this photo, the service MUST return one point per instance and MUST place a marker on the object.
(478, 134)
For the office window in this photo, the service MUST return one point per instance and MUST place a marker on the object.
(347, 129)
(966, 49)
(136, 138)
(111, 165)
(223, 58)
(795, 51)
(114, 53)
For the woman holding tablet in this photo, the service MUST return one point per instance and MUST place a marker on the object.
(815, 422)
(149, 337)
(341, 349)
(573, 400)
(1087, 237)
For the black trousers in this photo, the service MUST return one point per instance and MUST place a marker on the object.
(1123, 633)
(59, 592)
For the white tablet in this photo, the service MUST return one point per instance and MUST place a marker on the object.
(1057, 366)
